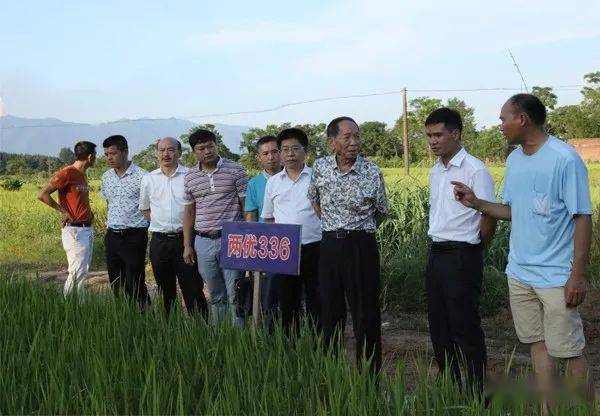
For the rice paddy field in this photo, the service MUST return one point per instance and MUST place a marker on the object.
(98, 355)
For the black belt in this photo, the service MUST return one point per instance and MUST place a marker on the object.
(125, 231)
(341, 234)
(452, 245)
(78, 224)
(173, 236)
(213, 235)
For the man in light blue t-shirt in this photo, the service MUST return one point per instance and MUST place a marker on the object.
(546, 196)
(268, 156)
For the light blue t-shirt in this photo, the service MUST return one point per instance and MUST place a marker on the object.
(545, 190)
(255, 195)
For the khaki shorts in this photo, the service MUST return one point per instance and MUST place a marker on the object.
(541, 314)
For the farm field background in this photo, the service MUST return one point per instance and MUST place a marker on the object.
(103, 356)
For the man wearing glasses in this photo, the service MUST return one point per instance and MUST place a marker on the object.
(286, 202)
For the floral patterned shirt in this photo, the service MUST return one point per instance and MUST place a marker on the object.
(351, 200)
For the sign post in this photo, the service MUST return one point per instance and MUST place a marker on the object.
(260, 247)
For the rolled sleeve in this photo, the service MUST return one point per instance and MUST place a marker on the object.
(268, 208)
(145, 193)
(483, 185)
(251, 204)
(313, 190)
(575, 191)
(241, 183)
(381, 204)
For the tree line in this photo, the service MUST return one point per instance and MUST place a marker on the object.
(380, 142)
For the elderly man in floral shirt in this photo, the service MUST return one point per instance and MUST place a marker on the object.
(348, 193)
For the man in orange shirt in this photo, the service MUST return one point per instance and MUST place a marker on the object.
(76, 213)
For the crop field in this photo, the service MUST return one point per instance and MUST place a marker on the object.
(100, 355)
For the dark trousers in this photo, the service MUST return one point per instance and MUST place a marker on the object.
(453, 282)
(269, 300)
(166, 256)
(349, 271)
(291, 289)
(125, 260)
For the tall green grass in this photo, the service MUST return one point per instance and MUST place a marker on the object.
(98, 355)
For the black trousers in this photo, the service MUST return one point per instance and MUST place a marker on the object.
(453, 281)
(291, 289)
(166, 256)
(125, 260)
(349, 271)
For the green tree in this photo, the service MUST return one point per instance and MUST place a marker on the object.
(17, 166)
(66, 156)
(546, 96)
(146, 159)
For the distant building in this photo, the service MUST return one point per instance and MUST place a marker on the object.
(588, 149)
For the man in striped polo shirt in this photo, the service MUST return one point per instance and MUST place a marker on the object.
(217, 189)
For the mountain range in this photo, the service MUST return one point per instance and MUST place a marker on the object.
(47, 136)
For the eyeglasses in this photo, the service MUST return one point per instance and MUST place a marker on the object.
(292, 149)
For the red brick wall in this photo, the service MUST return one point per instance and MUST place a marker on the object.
(588, 149)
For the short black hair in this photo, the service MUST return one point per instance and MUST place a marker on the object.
(83, 149)
(292, 133)
(265, 140)
(333, 128)
(530, 105)
(117, 140)
(201, 136)
(451, 118)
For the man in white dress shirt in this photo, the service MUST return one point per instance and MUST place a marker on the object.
(286, 202)
(455, 268)
(162, 200)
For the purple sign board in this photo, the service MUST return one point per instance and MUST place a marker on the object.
(261, 247)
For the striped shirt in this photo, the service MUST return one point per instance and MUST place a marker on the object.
(216, 194)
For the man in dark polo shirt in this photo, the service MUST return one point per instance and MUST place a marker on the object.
(75, 212)
(127, 229)
(216, 189)
(348, 193)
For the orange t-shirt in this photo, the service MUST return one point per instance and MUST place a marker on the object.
(73, 193)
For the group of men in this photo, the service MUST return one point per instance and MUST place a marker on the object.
(339, 203)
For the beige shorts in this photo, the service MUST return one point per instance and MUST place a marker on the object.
(541, 314)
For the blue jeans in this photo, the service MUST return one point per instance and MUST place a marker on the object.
(220, 282)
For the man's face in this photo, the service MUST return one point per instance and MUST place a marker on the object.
(347, 142)
(443, 142)
(115, 158)
(293, 153)
(206, 152)
(168, 153)
(268, 156)
(512, 123)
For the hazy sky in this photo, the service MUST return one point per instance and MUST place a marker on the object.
(93, 61)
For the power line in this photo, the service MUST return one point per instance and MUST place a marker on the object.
(297, 103)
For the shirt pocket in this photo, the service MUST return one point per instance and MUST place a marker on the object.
(541, 196)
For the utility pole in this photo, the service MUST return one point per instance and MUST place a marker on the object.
(405, 132)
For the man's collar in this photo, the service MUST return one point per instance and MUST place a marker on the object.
(356, 166)
(219, 164)
(305, 171)
(456, 160)
(180, 169)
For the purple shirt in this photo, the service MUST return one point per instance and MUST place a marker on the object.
(216, 194)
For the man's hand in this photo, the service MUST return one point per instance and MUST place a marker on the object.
(189, 257)
(575, 291)
(464, 194)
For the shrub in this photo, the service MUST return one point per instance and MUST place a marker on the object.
(11, 184)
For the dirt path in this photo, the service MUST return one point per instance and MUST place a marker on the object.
(405, 335)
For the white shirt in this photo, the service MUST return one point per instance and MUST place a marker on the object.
(165, 197)
(123, 196)
(449, 220)
(287, 201)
